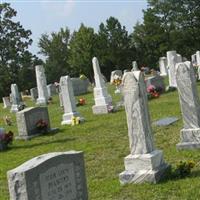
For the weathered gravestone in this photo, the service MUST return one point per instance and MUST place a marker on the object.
(51, 89)
(34, 93)
(16, 99)
(134, 66)
(171, 62)
(41, 85)
(52, 176)
(190, 106)
(68, 100)
(157, 81)
(163, 66)
(6, 102)
(28, 119)
(103, 100)
(144, 163)
(80, 86)
(114, 74)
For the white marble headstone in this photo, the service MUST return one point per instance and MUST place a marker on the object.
(68, 100)
(101, 97)
(41, 85)
(163, 66)
(190, 106)
(144, 163)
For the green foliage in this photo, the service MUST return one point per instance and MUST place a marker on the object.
(16, 62)
(168, 25)
(56, 49)
(114, 48)
(82, 50)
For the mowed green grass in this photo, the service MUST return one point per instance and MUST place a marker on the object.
(104, 141)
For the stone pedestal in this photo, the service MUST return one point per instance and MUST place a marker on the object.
(190, 139)
(140, 168)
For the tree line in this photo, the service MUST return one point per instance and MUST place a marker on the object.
(167, 25)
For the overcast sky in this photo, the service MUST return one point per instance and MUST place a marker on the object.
(48, 16)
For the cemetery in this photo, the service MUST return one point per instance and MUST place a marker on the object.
(104, 115)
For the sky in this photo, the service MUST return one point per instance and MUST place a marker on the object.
(46, 16)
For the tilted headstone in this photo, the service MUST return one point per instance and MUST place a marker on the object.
(101, 97)
(27, 120)
(171, 62)
(134, 66)
(68, 99)
(41, 85)
(114, 73)
(16, 98)
(6, 102)
(144, 163)
(52, 176)
(163, 66)
(190, 106)
(156, 81)
(34, 93)
(80, 86)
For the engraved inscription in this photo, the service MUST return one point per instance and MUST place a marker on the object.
(58, 183)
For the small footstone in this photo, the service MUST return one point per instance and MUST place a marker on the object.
(165, 121)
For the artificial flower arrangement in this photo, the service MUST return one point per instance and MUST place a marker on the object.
(41, 125)
(75, 121)
(81, 102)
(152, 92)
(117, 80)
(5, 139)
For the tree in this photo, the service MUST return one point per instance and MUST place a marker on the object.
(168, 25)
(82, 50)
(56, 49)
(15, 58)
(114, 48)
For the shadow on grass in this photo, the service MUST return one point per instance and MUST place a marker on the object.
(171, 176)
(24, 146)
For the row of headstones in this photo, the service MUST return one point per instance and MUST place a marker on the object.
(167, 65)
(56, 175)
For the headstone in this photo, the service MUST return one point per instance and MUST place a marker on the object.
(101, 97)
(68, 99)
(6, 102)
(16, 99)
(41, 85)
(198, 58)
(51, 89)
(60, 99)
(80, 86)
(198, 63)
(171, 62)
(163, 66)
(34, 93)
(27, 120)
(194, 59)
(144, 163)
(190, 106)
(52, 176)
(179, 58)
(165, 121)
(134, 66)
(156, 81)
(114, 73)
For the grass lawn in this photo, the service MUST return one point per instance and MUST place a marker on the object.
(104, 140)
